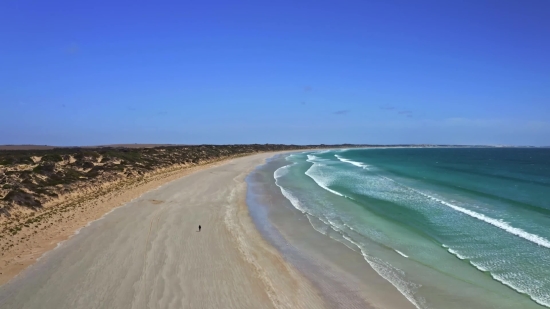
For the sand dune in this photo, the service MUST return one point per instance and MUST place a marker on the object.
(149, 254)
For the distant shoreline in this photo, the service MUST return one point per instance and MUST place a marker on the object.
(138, 146)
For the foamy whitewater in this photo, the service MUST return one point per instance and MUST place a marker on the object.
(471, 225)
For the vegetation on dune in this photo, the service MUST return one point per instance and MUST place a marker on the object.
(31, 178)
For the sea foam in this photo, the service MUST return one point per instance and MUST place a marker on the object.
(390, 273)
(523, 287)
(321, 181)
(401, 253)
(393, 275)
(358, 164)
(541, 241)
(326, 174)
(536, 239)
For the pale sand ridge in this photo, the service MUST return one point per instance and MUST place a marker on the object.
(148, 254)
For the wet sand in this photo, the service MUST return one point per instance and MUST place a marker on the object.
(341, 274)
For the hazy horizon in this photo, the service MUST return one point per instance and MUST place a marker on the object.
(212, 72)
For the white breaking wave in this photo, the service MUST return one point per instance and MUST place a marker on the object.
(534, 293)
(358, 164)
(390, 273)
(458, 255)
(483, 269)
(319, 182)
(280, 172)
(541, 241)
(311, 158)
(324, 186)
(394, 276)
(401, 253)
(539, 299)
(535, 290)
(323, 183)
(294, 201)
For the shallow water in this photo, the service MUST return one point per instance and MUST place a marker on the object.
(447, 228)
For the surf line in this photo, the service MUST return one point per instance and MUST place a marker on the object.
(501, 224)
(358, 164)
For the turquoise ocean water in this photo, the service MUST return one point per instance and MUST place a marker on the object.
(448, 228)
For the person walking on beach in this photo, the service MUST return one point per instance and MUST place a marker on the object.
(199, 228)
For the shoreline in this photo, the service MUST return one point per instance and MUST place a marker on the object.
(292, 266)
(327, 206)
(341, 274)
(234, 268)
(286, 286)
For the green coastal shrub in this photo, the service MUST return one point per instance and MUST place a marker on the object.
(52, 158)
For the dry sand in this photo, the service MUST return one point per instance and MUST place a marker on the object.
(149, 254)
(72, 212)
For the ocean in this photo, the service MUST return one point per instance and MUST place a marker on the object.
(446, 227)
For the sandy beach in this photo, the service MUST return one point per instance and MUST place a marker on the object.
(72, 212)
(149, 254)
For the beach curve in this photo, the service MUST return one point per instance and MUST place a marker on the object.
(149, 254)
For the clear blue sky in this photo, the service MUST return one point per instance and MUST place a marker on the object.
(101, 72)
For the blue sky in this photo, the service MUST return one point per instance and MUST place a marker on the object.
(101, 72)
